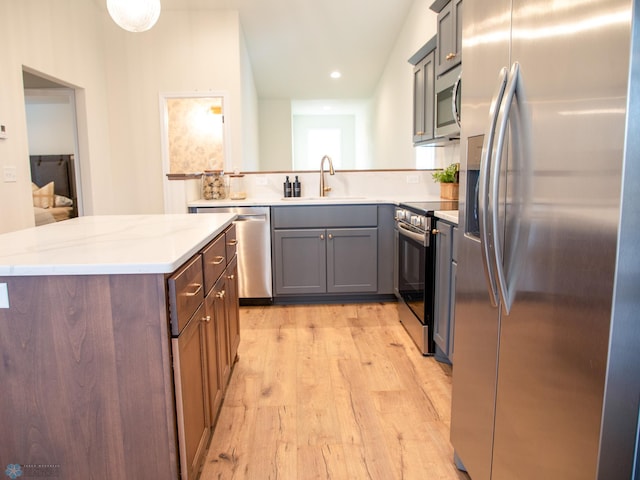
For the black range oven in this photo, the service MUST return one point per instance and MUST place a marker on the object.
(416, 269)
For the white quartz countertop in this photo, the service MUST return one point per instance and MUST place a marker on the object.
(448, 215)
(110, 244)
(329, 200)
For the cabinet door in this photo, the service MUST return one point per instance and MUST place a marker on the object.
(352, 260)
(214, 381)
(191, 396)
(233, 309)
(423, 98)
(220, 318)
(443, 286)
(449, 37)
(299, 261)
(452, 309)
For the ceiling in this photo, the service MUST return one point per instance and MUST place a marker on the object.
(295, 44)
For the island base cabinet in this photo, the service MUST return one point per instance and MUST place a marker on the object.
(191, 399)
(87, 383)
(233, 309)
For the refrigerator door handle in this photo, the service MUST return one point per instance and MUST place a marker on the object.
(510, 93)
(483, 192)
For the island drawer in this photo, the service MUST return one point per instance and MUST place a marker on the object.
(214, 261)
(232, 241)
(186, 293)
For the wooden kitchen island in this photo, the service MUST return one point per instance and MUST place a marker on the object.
(92, 316)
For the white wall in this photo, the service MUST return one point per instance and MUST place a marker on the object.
(250, 125)
(186, 51)
(63, 39)
(276, 149)
(393, 105)
(118, 78)
(51, 123)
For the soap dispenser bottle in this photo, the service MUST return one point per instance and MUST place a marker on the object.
(287, 188)
(297, 188)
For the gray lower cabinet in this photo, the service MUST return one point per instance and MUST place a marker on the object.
(300, 261)
(352, 255)
(338, 260)
(442, 331)
(330, 250)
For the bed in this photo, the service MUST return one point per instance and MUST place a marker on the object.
(54, 188)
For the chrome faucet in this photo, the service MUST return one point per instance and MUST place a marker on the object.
(323, 189)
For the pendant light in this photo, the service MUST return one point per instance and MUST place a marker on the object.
(134, 15)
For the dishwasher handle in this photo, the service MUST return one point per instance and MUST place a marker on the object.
(250, 217)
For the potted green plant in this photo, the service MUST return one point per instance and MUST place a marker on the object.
(448, 179)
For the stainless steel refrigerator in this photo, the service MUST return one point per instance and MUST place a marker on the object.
(546, 381)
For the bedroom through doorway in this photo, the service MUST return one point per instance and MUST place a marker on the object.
(52, 132)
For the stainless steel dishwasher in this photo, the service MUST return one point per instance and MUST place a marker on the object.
(253, 230)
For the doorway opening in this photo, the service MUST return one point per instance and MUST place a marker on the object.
(52, 131)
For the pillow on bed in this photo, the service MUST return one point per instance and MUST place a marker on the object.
(43, 197)
(62, 201)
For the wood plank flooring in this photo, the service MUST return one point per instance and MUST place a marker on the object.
(332, 392)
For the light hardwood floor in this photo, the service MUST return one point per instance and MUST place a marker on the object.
(333, 392)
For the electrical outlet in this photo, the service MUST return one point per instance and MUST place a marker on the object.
(10, 174)
(413, 179)
(4, 296)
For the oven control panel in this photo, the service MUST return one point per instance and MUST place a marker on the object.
(420, 222)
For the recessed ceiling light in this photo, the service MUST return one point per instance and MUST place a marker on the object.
(336, 74)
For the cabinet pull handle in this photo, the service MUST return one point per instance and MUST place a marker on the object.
(206, 319)
(220, 294)
(419, 133)
(451, 56)
(195, 292)
(330, 236)
(435, 231)
(218, 260)
(322, 236)
(232, 243)
(231, 277)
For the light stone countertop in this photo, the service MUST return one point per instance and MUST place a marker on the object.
(448, 215)
(109, 244)
(329, 200)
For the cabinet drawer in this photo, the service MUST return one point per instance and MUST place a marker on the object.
(214, 261)
(231, 241)
(186, 293)
(323, 216)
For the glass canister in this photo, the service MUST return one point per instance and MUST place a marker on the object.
(237, 189)
(214, 185)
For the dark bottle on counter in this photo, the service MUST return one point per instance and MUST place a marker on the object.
(287, 188)
(297, 188)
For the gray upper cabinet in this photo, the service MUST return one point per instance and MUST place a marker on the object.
(423, 98)
(423, 62)
(448, 53)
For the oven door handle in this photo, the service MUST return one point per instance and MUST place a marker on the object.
(418, 237)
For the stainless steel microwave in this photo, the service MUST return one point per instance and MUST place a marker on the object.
(447, 103)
